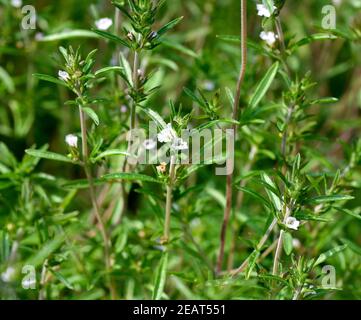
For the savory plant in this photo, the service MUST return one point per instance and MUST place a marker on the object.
(82, 217)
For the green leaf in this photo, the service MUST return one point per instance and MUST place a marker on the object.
(269, 4)
(48, 155)
(161, 277)
(48, 78)
(332, 198)
(179, 47)
(69, 35)
(126, 68)
(112, 37)
(251, 263)
(111, 152)
(82, 183)
(264, 85)
(91, 113)
(287, 243)
(46, 250)
(312, 38)
(169, 26)
(7, 157)
(129, 176)
(6, 79)
(273, 197)
(61, 279)
(349, 212)
(155, 117)
(328, 100)
(324, 256)
(255, 195)
(108, 69)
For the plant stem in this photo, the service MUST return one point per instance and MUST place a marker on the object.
(168, 207)
(228, 208)
(133, 119)
(89, 177)
(259, 247)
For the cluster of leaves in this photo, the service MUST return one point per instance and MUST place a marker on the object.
(298, 151)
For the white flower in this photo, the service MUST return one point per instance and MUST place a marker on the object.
(123, 109)
(179, 144)
(270, 37)
(167, 134)
(8, 275)
(39, 36)
(292, 223)
(336, 2)
(263, 10)
(16, 3)
(71, 140)
(209, 85)
(149, 144)
(63, 75)
(296, 243)
(104, 23)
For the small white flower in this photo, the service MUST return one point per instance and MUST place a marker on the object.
(292, 223)
(104, 23)
(270, 37)
(179, 144)
(149, 144)
(8, 275)
(71, 140)
(263, 10)
(16, 3)
(337, 2)
(209, 85)
(296, 243)
(63, 75)
(123, 109)
(167, 134)
(39, 36)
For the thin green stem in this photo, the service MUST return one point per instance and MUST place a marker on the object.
(133, 120)
(169, 199)
(87, 169)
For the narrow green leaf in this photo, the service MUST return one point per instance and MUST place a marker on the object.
(161, 277)
(46, 250)
(155, 117)
(108, 69)
(91, 113)
(69, 35)
(112, 37)
(48, 78)
(255, 195)
(169, 26)
(129, 176)
(264, 85)
(332, 198)
(48, 155)
(6, 79)
(251, 263)
(273, 197)
(324, 256)
(312, 38)
(111, 152)
(61, 279)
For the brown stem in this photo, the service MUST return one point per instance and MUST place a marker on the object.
(89, 177)
(228, 208)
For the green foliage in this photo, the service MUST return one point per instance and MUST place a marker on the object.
(297, 174)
